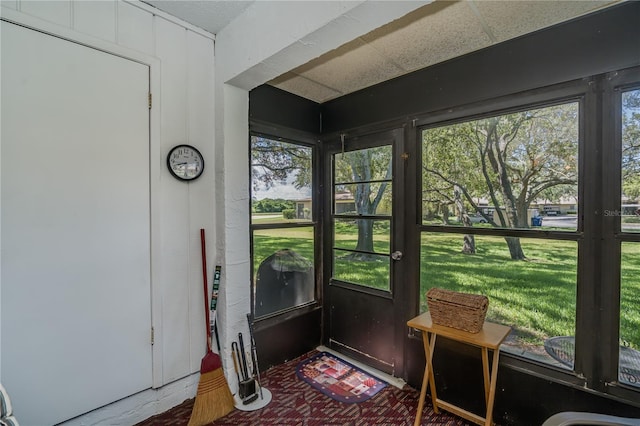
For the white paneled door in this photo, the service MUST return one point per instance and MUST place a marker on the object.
(75, 284)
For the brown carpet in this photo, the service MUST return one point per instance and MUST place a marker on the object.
(295, 403)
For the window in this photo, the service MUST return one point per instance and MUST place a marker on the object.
(362, 193)
(629, 354)
(490, 186)
(517, 170)
(282, 223)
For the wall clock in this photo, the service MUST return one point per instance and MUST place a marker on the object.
(185, 162)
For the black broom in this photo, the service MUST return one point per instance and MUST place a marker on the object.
(213, 399)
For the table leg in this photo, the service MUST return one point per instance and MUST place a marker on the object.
(432, 381)
(485, 373)
(425, 379)
(492, 388)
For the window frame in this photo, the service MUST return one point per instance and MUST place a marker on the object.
(580, 91)
(614, 84)
(304, 139)
(599, 169)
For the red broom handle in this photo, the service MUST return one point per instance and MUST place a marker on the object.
(206, 290)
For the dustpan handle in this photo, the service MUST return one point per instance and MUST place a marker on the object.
(206, 290)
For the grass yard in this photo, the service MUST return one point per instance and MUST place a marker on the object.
(537, 297)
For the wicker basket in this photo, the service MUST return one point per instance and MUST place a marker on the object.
(463, 311)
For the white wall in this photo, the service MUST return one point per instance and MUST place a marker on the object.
(182, 67)
(273, 37)
(182, 79)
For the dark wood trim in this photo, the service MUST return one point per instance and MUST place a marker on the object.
(269, 104)
(520, 71)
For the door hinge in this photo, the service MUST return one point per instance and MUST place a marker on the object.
(150, 101)
(153, 337)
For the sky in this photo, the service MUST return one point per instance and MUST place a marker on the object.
(285, 190)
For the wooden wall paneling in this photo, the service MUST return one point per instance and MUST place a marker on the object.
(200, 133)
(58, 12)
(177, 240)
(135, 28)
(97, 19)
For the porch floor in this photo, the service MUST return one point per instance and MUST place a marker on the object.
(296, 403)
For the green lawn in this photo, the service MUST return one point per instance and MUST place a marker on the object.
(537, 296)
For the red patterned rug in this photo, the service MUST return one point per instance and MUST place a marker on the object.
(295, 403)
(338, 379)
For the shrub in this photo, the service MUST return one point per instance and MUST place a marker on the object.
(289, 213)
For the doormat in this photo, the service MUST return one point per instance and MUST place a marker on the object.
(338, 379)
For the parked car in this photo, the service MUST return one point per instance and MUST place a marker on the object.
(477, 218)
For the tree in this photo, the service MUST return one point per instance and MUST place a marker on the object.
(366, 173)
(276, 162)
(631, 144)
(511, 160)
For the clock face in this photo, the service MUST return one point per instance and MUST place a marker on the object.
(185, 162)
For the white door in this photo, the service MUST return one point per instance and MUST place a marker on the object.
(75, 289)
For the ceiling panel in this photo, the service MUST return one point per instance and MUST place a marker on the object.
(211, 15)
(300, 85)
(525, 16)
(351, 67)
(434, 33)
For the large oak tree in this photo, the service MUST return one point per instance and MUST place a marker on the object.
(510, 160)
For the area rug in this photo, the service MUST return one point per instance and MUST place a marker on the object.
(295, 403)
(338, 378)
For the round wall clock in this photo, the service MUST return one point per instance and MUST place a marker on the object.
(185, 162)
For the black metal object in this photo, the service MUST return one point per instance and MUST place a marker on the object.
(254, 356)
(272, 105)
(284, 280)
(247, 386)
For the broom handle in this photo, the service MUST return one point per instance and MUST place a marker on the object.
(206, 290)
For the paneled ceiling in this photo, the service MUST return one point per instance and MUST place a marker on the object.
(434, 33)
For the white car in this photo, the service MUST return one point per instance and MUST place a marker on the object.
(477, 218)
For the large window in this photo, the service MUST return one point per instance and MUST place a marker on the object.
(629, 354)
(490, 187)
(539, 209)
(362, 193)
(282, 223)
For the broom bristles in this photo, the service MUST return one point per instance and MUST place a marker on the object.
(213, 400)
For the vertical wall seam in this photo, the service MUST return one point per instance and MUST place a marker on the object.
(116, 21)
(190, 308)
(72, 17)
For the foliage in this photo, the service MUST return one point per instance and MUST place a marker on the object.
(276, 161)
(511, 160)
(270, 205)
(631, 144)
(289, 213)
(366, 174)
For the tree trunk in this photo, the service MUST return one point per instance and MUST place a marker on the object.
(468, 241)
(515, 249)
(469, 244)
(365, 235)
(445, 214)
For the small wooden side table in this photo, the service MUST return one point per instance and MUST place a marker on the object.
(490, 337)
